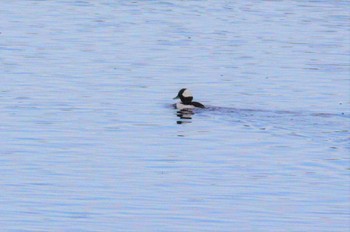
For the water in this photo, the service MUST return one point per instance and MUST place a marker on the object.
(90, 142)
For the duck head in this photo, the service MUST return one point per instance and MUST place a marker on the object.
(185, 95)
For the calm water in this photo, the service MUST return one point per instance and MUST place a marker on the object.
(90, 142)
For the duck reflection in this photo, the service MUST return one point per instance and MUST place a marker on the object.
(185, 115)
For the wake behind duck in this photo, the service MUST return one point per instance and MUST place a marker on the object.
(187, 107)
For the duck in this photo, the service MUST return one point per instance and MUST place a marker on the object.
(186, 98)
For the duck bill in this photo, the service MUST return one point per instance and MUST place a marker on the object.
(177, 97)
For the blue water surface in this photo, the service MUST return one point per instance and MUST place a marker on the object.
(90, 141)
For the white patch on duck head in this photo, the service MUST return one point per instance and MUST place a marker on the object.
(187, 93)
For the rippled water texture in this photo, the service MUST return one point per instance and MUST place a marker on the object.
(90, 141)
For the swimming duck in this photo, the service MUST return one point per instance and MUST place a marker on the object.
(186, 100)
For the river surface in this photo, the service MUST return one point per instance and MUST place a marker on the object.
(90, 141)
